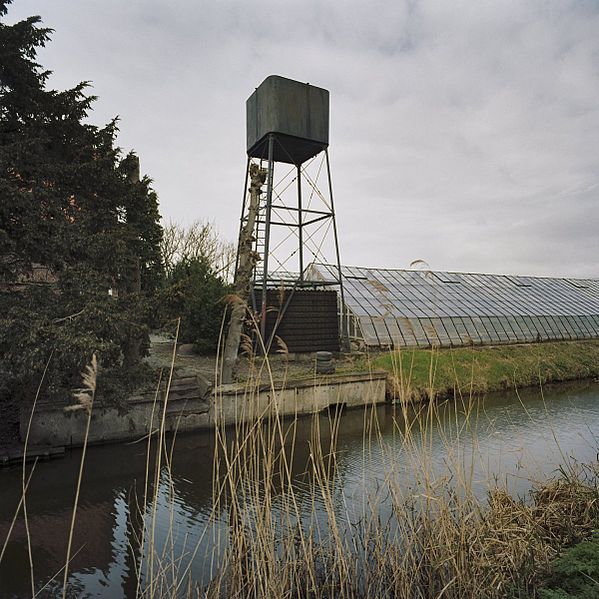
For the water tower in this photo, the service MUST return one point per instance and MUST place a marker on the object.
(288, 139)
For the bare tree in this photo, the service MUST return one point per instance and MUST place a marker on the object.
(200, 240)
(247, 261)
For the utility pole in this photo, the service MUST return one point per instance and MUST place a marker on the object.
(247, 259)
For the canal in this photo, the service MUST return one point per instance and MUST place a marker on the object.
(509, 440)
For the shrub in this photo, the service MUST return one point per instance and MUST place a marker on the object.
(194, 293)
(576, 573)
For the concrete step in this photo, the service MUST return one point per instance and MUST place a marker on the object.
(14, 455)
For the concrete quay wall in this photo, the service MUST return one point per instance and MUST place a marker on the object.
(188, 409)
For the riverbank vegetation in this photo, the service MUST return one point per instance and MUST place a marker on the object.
(284, 529)
(442, 535)
(575, 574)
(442, 373)
(446, 534)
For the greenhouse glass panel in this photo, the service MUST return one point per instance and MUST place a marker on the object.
(395, 335)
(500, 332)
(407, 331)
(464, 308)
(442, 338)
(549, 325)
(454, 336)
(381, 331)
(370, 337)
(579, 324)
(594, 324)
(569, 326)
(542, 334)
(464, 336)
(511, 328)
(421, 338)
(562, 325)
(484, 335)
(589, 325)
(519, 326)
(533, 328)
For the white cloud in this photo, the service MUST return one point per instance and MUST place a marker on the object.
(463, 133)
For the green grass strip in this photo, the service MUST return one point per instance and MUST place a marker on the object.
(484, 369)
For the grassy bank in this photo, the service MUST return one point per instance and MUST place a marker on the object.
(445, 372)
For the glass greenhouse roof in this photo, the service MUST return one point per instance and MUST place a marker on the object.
(392, 307)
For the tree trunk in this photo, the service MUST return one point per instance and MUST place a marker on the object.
(243, 276)
(132, 288)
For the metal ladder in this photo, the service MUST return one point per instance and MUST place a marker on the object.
(260, 241)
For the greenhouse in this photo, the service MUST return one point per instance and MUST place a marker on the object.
(424, 308)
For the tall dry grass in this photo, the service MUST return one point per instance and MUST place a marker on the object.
(437, 538)
(434, 538)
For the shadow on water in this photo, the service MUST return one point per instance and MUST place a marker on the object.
(509, 439)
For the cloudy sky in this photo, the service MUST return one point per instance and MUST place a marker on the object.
(463, 133)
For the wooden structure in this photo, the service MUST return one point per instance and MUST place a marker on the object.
(306, 324)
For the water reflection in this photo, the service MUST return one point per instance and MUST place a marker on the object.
(510, 438)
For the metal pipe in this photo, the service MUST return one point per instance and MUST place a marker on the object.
(304, 210)
(301, 232)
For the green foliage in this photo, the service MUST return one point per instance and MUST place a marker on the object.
(483, 369)
(575, 574)
(73, 209)
(195, 294)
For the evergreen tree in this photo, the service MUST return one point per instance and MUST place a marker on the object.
(72, 210)
(194, 293)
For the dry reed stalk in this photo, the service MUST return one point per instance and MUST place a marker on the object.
(24, 485)
(164, 576)
(142, 539)
(440, 540)
(17, 512)
(157, 471)
(85, 402)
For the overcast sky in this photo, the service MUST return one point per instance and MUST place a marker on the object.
(465, 134)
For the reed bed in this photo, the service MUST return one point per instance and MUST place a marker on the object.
(436, 538)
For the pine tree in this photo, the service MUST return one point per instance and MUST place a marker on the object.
(74, 212)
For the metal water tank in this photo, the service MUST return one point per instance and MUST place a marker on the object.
(296, 113)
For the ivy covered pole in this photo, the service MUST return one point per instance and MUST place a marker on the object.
(246, 261)
(131, 288)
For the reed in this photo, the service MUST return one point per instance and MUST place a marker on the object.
(274, 533)
(85, 402)
(437, 539)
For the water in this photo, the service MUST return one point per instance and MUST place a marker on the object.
(509, 439)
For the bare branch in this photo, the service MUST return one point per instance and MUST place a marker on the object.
(200, 240)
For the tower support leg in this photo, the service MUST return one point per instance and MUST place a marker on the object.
(343, 325)
(269, 187)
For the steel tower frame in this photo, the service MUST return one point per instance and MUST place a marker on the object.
(300, 220)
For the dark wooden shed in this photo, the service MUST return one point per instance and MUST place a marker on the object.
(308, 324)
